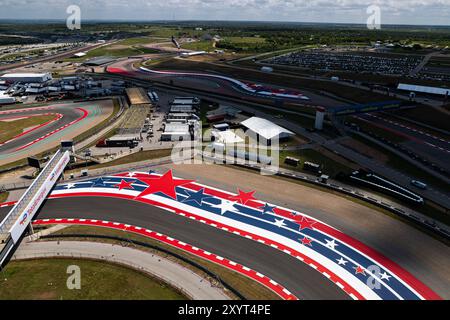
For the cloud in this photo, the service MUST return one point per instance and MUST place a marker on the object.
(394, 11)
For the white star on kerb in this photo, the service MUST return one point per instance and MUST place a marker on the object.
(385, 276)
(70, 185)
(342, 262)
(280, 223)
(131, 174)
(225, 206)
(331, 244)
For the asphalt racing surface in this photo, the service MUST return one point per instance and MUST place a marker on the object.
(427, 145)
(68, 115)
(300, 279)
(70, 120)
(209, 81)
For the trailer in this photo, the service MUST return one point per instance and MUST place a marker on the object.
(118, 142)
(153, 96)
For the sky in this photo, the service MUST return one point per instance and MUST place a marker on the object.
(412, 12)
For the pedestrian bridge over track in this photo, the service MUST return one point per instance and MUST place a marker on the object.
(19, 218)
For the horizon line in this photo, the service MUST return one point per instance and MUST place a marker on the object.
(218, 21)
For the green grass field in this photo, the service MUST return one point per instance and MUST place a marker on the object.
(123, 48)
(249, 288)
(46, 280)
(133, 158)
(4, 196)
(244, 40)
(199, 46)
(9, 130)
(245, 44)
(330, 167)
(139, 41)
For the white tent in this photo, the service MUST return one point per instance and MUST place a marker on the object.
(266, 129)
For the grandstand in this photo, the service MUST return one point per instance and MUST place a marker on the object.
(134, 118)
(137, 96)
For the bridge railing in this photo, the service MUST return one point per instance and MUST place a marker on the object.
(22, 213)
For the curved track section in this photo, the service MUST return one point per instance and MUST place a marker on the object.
(275, 287)
(70, 120)
(247, 88)
(250, 88)
(304, 255)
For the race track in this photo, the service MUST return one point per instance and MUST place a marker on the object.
(69, 121)
(300, 279)
(309, 258)
(221, 84)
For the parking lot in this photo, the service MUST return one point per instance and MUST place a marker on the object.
(349, 62)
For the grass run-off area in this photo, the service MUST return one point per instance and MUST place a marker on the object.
(249, 288)
(130, 159)
(47, 280)
(77, 139)
(4, 196)
(11, 129)
(329, 166)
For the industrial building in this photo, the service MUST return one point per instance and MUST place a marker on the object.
(26, 77)
(267, 130)
(424, 89)
(176, 132)
(192, 101)
(178, 117)
(222, 113)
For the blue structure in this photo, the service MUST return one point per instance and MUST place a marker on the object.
(366, 108)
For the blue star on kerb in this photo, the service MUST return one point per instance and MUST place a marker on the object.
(268, 209)
(197, 197)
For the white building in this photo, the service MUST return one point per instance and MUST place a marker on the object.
(26, 77)
(268, 130)
(5, 99)
(192, 101)
(227, 137)
(80, 54)
(192, 54)
(424, 89)
(176, 132)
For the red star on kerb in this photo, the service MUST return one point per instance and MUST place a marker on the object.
(307, 242)
(360, 270)
(306, 224)
(244, 197)
(124, 185)
(164, 184)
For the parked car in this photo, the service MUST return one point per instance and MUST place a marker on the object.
(419, 184)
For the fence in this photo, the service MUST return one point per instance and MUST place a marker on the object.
(410, 215)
